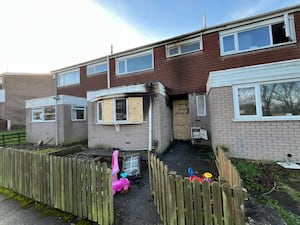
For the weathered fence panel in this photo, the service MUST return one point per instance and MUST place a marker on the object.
(181, 202)
(227, 170)
(77, 186)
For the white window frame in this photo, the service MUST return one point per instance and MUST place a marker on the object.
(114, 108)
(178, 45)
(39, 110)
(259, 114)
(42, 111)
(97, 112)
(75, 108)
(93, 67)
(198, 105)
(288, 20)
(76, 75)
(126, 58)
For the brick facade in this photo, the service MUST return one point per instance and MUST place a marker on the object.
(18, 89)
(185, 76)
(133, 136)
(68, 131)
(263, 140)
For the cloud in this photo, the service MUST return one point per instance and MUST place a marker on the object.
(248, 8)
(39, 36)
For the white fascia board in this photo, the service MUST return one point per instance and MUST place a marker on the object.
(158, 88)
(2, 95)
(40, 102)
(50, 101)
(94, 95)
(284, 70)
(72, 100)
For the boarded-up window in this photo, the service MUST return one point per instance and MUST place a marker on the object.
(135, 108)
(107, 111)
(120, 110)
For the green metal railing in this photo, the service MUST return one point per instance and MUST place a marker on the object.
(12, 138)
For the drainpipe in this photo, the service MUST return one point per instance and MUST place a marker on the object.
(56, 111)
(108, 67)
(108, 72)
(150, 124)
(150, 117)
(56, 121)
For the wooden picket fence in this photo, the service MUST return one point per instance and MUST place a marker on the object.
(77, 186)
(181, 202)
(227, 171)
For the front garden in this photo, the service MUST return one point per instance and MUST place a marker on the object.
(271, 186)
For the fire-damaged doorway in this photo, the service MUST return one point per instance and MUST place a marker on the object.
(181, 119)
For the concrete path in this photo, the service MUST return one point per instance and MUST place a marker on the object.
(12, 213)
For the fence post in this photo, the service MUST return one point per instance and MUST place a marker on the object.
(172, 209)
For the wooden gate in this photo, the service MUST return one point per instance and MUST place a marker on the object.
(181, 119)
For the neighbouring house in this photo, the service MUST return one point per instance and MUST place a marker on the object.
(255, 110)
(59, 120)
(218, 85)
(16, 88)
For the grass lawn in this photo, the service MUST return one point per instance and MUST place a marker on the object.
(270, 184)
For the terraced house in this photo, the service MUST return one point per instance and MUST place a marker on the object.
(15, 89)
(236, 84)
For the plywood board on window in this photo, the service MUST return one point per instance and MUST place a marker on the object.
(135, 109)
(108, 110)
(181, 119)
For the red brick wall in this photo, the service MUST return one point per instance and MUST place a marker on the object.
(187, 73)
(90, 83)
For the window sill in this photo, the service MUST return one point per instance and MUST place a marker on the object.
(119, 123)
(251, 50)
(69, 85)
(266, 119)
(43, 121)
(96, 74)
(184, 54)
(135, 72)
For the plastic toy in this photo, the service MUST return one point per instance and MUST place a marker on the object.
(207, 176)
(118, 184)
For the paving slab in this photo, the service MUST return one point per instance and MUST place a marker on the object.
(11, 212)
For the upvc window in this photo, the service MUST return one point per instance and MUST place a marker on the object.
(69, 78)
(37, 114)
(184, 47)
(78, 113)
(267, 101)
(135, 63)
(96, 68)
(43, 114)
(121, 109)
(261, 35)
(201, 105)
(99, 110)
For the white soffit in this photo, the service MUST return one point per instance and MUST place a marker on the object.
(284, 70)
(50, 101)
